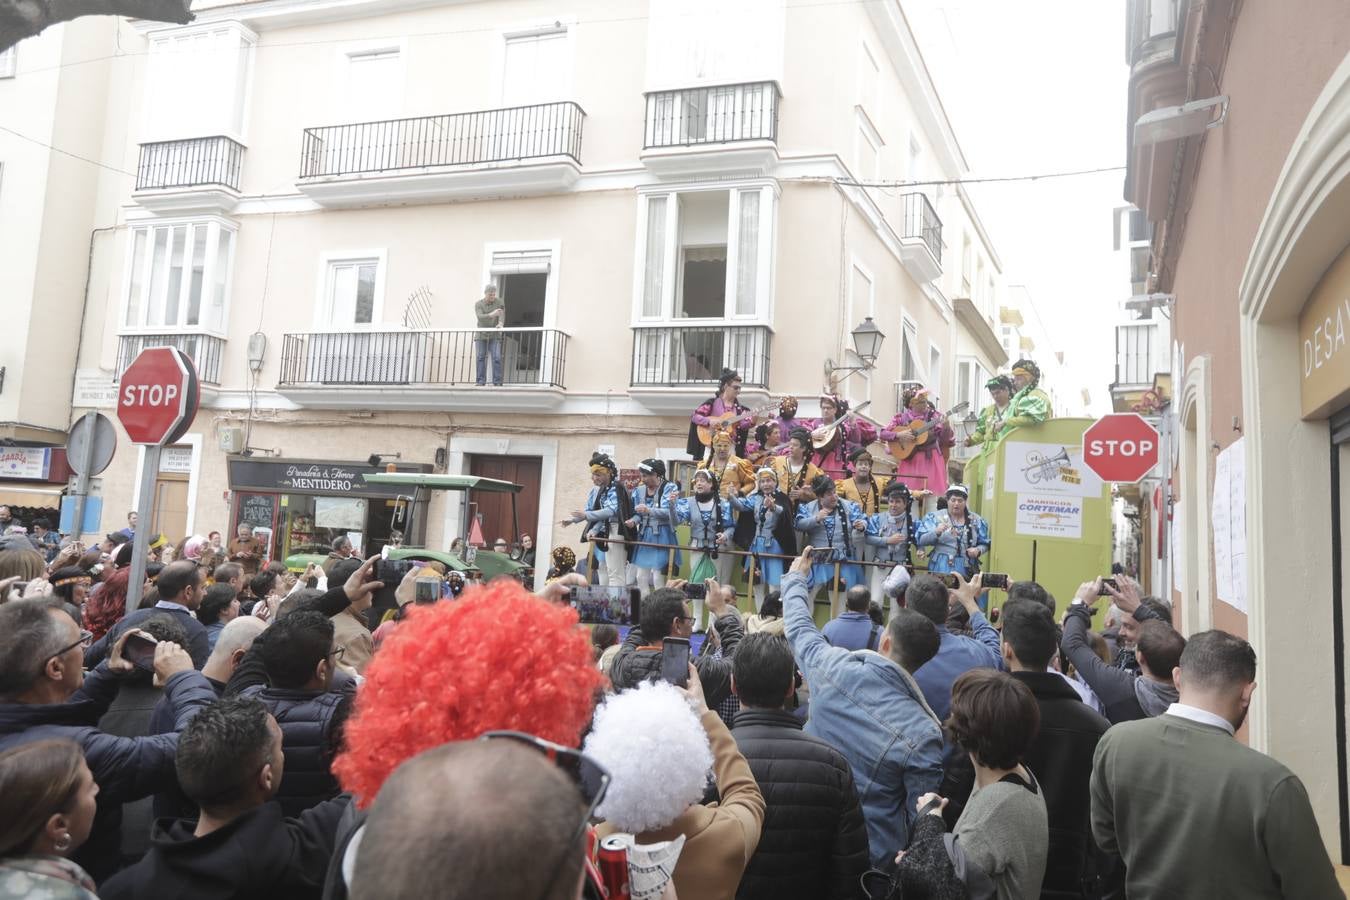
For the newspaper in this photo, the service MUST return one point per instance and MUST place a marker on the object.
(650, 866)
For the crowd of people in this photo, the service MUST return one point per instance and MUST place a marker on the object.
(238, 737)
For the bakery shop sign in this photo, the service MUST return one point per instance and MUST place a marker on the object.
(311, 477)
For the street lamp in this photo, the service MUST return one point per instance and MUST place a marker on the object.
(867, 339)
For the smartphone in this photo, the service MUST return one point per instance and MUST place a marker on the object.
(427, 590)
(995, 580)
(139, 650)
(821, 555)
(948, 580)
(1108, 582)
(675, 661)
(696, 591)
(598, 605)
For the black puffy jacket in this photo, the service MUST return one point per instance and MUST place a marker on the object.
(636, 663)
(311, 733)
(814, 842)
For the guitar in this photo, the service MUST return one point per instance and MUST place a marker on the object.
(725, 420)
(921, 432)
(823, 438)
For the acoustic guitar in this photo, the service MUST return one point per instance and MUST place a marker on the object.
(921, 432)
(727, 420)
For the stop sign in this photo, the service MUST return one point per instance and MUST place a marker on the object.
(158, 395)
(1120, 447)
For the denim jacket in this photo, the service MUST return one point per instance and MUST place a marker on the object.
(871, 710)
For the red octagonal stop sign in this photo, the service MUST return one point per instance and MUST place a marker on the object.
(158, 395)
(1120, 447)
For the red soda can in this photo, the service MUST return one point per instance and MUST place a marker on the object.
(613, 859)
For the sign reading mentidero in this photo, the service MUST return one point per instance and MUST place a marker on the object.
(303, 476)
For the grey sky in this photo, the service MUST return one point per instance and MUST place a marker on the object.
(1038, 86)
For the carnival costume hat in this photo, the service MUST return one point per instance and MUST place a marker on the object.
(766, 470)
(1000, 381)
(822, 485)
(860, 454)
(726, 378)
(652, 467)
(839, 403)
(802, 436)
(1027, 367)
(787, 408)
(959, 489)
(563, 558)
(601, 461)
(900, 488)
(721, 438)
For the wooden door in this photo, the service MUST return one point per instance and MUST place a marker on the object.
(170, 518)
(494, 510)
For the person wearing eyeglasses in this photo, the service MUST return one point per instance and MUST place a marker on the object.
(300, 656)
(181, 586)
(231, 763)
(44, 693)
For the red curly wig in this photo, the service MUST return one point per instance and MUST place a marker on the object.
(497, 658)
(106, 608)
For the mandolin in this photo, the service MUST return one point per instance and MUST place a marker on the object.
(823, 437)
(727, 419)
(920, 432)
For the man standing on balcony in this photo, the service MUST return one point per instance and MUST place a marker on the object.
(491, 313)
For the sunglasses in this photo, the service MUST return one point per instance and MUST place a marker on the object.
(588, 775)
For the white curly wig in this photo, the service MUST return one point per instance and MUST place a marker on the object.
(657, 754)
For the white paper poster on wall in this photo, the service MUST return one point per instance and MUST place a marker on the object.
(1228, 515)
(1047, 515)
(1048, 469)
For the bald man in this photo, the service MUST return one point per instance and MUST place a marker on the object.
(489, 820)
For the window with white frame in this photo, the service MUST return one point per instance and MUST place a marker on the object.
(537, 68)
(374, 84)
(965, 379)
(352, 288)
(179, 276)
(522, 279)
(9, 61)
(935, 370)
(866, 150)
(909, 352)
(966, 254)
(197, 82)
(705, 254)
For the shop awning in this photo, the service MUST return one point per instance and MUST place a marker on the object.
(443, 482)
(30, 495)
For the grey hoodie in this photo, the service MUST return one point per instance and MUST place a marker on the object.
(1154, 696)
(1125, 695)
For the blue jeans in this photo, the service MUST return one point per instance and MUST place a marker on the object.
(481, 346)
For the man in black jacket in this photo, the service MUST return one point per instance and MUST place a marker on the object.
(300, 656)
(665, 613)
(814, 842)
(181, 587)
(230, 763)
(1061, 754)
(44, 693)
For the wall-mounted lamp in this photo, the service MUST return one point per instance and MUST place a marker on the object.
(867, 341)
(375, 459)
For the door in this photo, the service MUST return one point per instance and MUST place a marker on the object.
(170, 517)
(1340, 505)
(494, 510)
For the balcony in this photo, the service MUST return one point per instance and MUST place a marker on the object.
(1141, 356)
(720, 128)
(517, 151)
(206, 351)
(421, 369)
(677, 366)
(195, 175)
(921, 238)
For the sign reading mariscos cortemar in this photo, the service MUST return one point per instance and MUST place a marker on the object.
(1120, 447)
(158, 395)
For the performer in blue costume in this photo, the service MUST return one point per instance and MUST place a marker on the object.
(765, 526)
(651, 520)
(840, 526)
(892, 534)
(607, 505)
(956, 537)
(710, 524)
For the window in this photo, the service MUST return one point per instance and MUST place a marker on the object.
(178, 276)
(912, 172)
(374, 85)
(867, 151)
(966, 373)
(966, 254)
(9, 62)
(909, 352)
(537, 68)
(705, 254)
(197, 82)
(351, 291)
(869, 84)
(935, 370)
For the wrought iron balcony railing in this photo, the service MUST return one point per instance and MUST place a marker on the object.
(529, 356)
(458, 139)
(206, 351)
(197, 162)
(712, 115)
(683, 355)
(922, 222)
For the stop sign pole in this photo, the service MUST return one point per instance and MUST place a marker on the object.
(157, 400)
